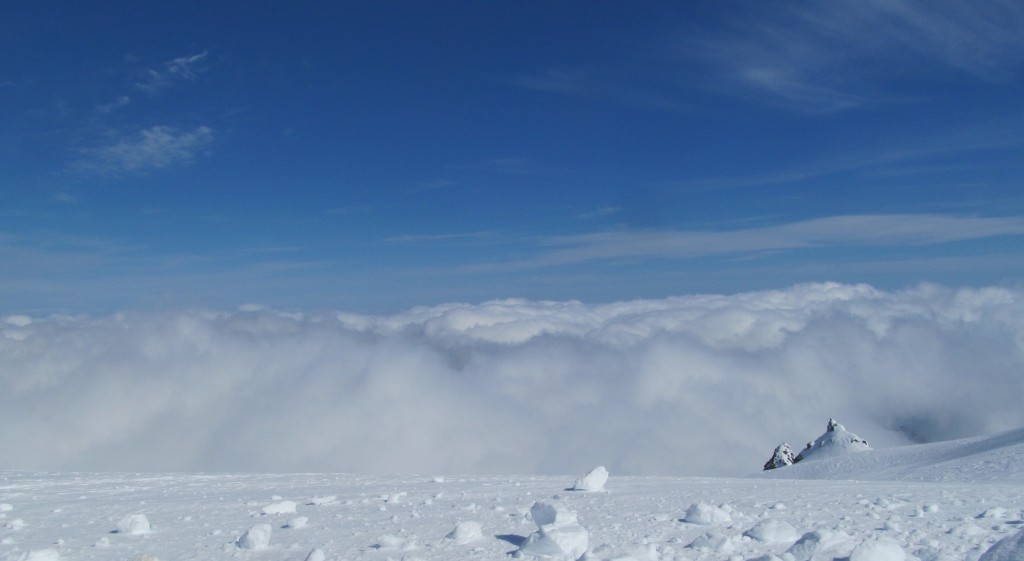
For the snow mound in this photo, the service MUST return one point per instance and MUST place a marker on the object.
(316, 554)
(837, 441)
(6, 507)
(704, 514)
(324, 500)
(466, 532)
(283, 507)
(558, 536)
(715, 541)
(771, 530)
(820, 544)
(133, 524)
(257, 537)
(877, 550)
(594, 480)
(393, 542)
(1010, 548)
(992, 458)
(297, 522)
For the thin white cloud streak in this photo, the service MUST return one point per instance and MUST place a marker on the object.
(153, 148)
(180, 69)
(838, 55)
(687, 385)
(894, 230)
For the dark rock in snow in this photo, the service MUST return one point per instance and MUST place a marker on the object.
(783, 456)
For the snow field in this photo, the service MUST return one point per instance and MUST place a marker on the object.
(206, 517)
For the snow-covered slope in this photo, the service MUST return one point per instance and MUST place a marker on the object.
(49, 517)
(973, 498)
(996, 458)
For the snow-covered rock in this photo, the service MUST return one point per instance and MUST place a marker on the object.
(593, 480)
(707, 515)
(558, 537)
(783, 456)
(835, 442)
(466, 532)
(1010, 548)
(257, 537)
(133, 524)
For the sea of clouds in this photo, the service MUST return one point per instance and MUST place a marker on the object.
(692, 385)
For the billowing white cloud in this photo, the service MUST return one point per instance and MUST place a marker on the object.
(153, 148)
(704, 384)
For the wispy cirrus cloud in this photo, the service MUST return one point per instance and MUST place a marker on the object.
(173, 71)
(153, 148)
(588, 83)
(837, 55)
(896, 230)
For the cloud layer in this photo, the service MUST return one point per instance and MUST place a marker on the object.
(688, 385)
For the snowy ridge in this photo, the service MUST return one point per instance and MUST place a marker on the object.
(994, 458)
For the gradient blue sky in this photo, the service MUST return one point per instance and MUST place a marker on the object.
(380, 155)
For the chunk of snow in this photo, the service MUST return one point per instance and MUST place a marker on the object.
(465, 532)
(321, 501)
(771, 530)
(39, 555)
(297, 522)
(133, 524)
(558, 536)
(1010, 548)
(877, 550)
(257, 537)
(715, 541)
(389, 541)
(16, 524)
(316, 554)
(549, 514)
(6, 507)
(283, 507)
(814, 545)
(593, 480)
(706, 515)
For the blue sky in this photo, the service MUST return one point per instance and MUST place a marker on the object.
(382, 155)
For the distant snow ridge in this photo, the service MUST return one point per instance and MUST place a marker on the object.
(593, 480)
(559, 537)
(835, 442)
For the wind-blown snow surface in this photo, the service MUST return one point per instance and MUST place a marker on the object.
(351, 517)
(688, 385)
